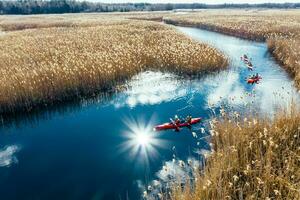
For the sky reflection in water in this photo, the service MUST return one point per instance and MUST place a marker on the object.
(107, 140)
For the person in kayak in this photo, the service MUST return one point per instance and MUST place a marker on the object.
(252, 76)
(256, 76)
(245, 59)
(189, 119)
(250, 66)
(177, 120)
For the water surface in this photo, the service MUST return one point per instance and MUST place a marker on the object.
(93, 150)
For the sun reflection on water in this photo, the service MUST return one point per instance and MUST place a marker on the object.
(143, 139)
(141, 142)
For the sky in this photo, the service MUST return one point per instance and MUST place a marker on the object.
(198, 1)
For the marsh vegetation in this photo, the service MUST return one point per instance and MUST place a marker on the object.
(42, 63)
(251, 158)
(55, 58)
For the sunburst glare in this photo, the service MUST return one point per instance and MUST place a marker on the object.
(141, 141)
(142, 138)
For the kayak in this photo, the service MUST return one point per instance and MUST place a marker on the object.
(169, 126)
(250, 68)
(253, 80)
(245, 60)
(247, 63)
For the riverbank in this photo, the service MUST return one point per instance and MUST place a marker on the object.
(279, 28)
(44, 65)
(48, 142)
(251, 159)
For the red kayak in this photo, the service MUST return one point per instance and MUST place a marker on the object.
(254, 80)
(168, 126)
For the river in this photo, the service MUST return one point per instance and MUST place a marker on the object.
(97, 149)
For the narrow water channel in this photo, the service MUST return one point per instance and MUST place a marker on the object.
(92, 150)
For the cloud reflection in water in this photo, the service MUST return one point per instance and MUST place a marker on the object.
(7, 155)
(150, 88)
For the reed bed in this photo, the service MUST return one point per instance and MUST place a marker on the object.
(287, 52)
(21, 22)
(47, 65)
(280, 28)
(251, 159)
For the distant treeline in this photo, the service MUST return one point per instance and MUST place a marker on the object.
(72, 6)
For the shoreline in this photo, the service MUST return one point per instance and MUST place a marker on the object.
(252, 37)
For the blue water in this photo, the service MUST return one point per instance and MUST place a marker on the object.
(94, 149)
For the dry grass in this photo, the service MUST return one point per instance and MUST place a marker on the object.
(287, 52)
(251, 159)
(46, 65)
(280, 28)
(21, 22)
